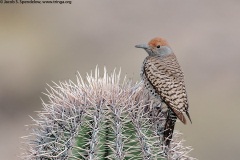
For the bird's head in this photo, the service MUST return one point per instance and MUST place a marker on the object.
(157, 46)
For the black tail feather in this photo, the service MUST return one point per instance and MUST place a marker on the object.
(169, 127)
(188, 116)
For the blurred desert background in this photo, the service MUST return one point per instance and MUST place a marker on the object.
(44, 43)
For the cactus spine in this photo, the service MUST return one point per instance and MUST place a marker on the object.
(99, 119)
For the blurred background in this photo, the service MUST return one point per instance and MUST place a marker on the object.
(44, 43)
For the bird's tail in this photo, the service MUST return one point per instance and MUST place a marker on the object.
(188, 116)
(169, 127)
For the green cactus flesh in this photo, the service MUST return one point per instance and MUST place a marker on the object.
(100, 119)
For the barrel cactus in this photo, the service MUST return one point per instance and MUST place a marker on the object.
(101, 117)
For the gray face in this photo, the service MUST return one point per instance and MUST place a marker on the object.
(153, 51)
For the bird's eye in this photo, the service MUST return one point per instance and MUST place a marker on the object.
(158, 46)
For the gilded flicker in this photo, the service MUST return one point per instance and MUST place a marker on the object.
(164, 80)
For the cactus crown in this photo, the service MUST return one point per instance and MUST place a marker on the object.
(99, 119)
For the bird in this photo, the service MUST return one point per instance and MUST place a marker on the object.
(163, 78)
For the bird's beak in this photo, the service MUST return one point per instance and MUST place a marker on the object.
(144, 46)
